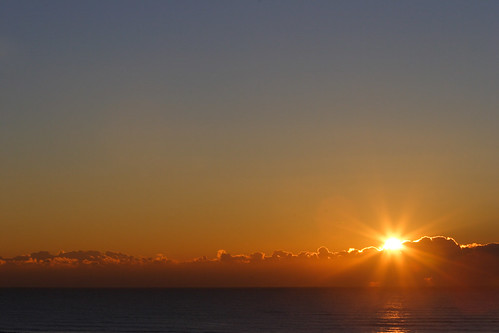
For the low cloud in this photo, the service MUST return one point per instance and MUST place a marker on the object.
(429, 261)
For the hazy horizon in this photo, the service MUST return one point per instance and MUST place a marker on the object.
(426, 262)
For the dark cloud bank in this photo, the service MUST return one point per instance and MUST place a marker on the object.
(429, 261)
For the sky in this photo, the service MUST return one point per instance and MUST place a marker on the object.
(187, 127)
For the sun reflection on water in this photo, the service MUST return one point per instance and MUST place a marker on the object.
(392, 317)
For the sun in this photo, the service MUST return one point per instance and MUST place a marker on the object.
(392, 244)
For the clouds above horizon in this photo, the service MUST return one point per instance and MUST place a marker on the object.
(429, 261)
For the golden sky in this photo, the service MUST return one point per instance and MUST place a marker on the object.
(183, 128)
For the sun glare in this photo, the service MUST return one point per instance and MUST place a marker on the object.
(392, 244)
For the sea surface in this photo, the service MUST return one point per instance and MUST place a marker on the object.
(249, 310)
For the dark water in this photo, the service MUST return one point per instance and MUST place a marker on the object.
(249, 310)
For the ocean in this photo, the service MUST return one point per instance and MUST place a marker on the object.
(249, 310)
